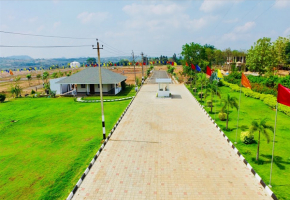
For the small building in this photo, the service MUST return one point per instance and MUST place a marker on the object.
(54, 86)
(163, 87)
(86, 82)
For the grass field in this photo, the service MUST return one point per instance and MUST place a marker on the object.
(44, 152)
(253, 109)
(127, 92)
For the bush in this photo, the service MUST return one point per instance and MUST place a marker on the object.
(200, 94)
(247, 137)
(222, 116)
(2, 98)
(32, 92)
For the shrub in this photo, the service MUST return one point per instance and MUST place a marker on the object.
(222, 116)
(200, 94)
(247, 137)
(2, 98)
(32, 92)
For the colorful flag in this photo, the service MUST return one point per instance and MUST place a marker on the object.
(283, 96)
(192, 66)
(208, 71)
(10, 72)
(220, 75)
(245, 81)
(186, 64)
(175, 64)
(198, 68)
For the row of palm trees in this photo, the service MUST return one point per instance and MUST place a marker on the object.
(211, 89)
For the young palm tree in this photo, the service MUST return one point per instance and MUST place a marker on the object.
(261, 127)
(212, 90)
(229, 102)
(202, 80)
(28, 76)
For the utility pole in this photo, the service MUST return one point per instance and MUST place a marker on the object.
(134, 66)
(101, 89)
(142, 54)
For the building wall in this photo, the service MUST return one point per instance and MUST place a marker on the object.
(56, 86)
(79, 89)
(106, 88)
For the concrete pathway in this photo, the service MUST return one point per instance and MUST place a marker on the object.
(168, 149)
(157, 74)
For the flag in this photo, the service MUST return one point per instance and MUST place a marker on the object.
(283, 96)
(10, 72)
(172, 63)
(175, 64)
(208, 71)
(186, 64)
(192, 66)
(144, 63)
(220, 75)
(245, 82)
(198, 68)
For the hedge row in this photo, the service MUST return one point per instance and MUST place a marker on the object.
(268, 99)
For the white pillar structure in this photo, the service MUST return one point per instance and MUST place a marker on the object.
(87, 88)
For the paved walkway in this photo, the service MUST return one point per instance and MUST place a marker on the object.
(157, 74)
(168, 149)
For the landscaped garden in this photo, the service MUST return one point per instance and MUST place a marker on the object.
(47, 143)
(252, 109)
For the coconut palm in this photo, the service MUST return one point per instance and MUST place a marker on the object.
(263, 128)
(38, 76)
(202, 80)
(229, 102)
(28, 76)
(212, 90)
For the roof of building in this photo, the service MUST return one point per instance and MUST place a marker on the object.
(90, 75)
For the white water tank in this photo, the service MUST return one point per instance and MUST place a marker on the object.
(75, 64)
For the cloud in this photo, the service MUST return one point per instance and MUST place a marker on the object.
(246, 27)
(287, 32)
(98, 17)
(240, 32)
(56, 24)
(210, 6)
(160, 9)
(162, 17)
(282, 4)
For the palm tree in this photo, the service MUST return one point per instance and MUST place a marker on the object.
(213, 90)
(229, 102)
(261, 127)
(202, 80)
(38, 76)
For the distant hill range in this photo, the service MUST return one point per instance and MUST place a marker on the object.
(24, 61)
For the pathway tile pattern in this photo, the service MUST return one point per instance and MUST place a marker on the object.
(168, 149)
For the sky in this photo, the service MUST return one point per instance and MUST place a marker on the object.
(153, 27)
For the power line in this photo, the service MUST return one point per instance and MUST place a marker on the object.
(49, 36)
(14, 46)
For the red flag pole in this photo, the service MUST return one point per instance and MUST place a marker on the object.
(273, 145)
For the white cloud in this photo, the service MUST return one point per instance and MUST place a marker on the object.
(98, 17)
(246, 27)
(240, 32)
(56, 24)
(287, 32)
(160, 9)
(209, 5)
(282, 4)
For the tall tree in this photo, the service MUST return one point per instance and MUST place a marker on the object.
(229, 102)
(280, 48)
(261, 127)
(287, 52)
(193, 53)
(261, 57)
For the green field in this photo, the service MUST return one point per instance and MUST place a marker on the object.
(253, 109)
(45, 152)
(128, 92)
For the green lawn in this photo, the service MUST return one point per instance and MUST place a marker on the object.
(127, 92)
(46, 151)
(252, 109)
